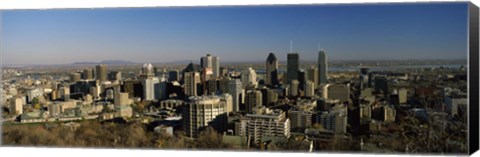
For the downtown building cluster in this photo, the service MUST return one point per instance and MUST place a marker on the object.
(250, 107)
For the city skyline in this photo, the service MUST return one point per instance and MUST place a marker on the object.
(241, 33)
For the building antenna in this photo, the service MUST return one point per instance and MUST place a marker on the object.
(291, 46)
(318, 47)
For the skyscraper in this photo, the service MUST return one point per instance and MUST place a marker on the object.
(381, 84)
(292, 66)
(173, 75)
(149, 88)
(213, 62)
(322, 67)
(249, 77)
(101, 72)
(87, 74)
(75, 77)
(235, 89)
(191, 81)
(309, 89)
(253, 98)
(302, 78)
(294, 88)
(147, 71)
(313, 76)
(364, 78)
(271, 70)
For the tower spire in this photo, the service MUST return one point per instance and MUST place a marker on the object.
(291, 45)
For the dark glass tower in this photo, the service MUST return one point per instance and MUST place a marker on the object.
(271, 70)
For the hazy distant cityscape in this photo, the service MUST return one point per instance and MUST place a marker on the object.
(358, 78)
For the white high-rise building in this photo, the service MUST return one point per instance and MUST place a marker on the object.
(235, 89)
(249, 77)
(309, 89)
(16, 106)
(149, 88)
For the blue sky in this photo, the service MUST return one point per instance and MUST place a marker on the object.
(241, 33)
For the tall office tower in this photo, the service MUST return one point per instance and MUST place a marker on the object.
(213, 62)
(264, 123)
(402, 96)
(249, 77)
(216, 66)
(294, 88)
(160, 89)
(191, 81)
(200, 112)
(101, 72)
(339, 91)
(121, 99)
(313, 76)
(235, 89)
(322, 67)
(364, 78)
(115, 76)
(309, 89)
(173, 75)
(149, 88)
(271, 70)
(292, 66)
(253, 98)
(371, 77)
(87, 74)
(148, 71)
(75, 77)
(302, 78)
(381, 84)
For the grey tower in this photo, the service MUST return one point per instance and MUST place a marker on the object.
(101, 72)
(322, 67)
(271, 70)
(292, 66)
(213, 62)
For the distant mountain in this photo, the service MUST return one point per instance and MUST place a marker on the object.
(85, 63)
(116, 62)
(183, 62)
(105, 62)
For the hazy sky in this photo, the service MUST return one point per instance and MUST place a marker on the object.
(247, 33)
